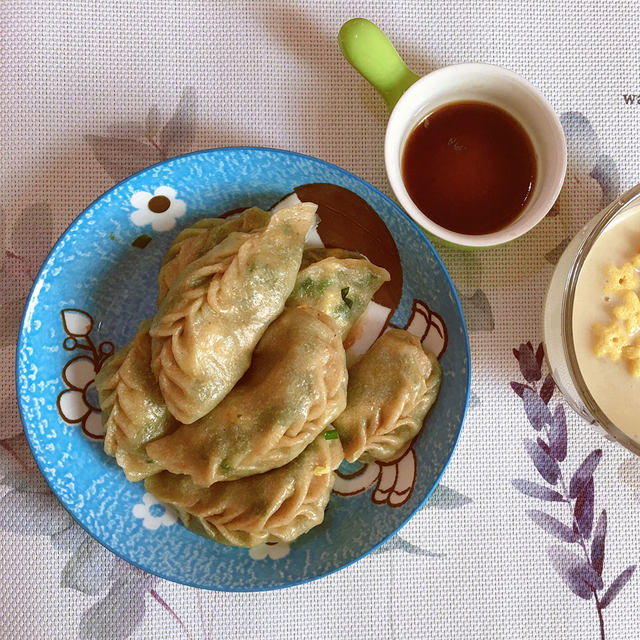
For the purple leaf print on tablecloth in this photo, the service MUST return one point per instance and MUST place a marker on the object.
(519, 388)
(536, 491)
(553, 255)
(400, 544)
(539, 357)
(547, 467)
(543, 445)
(558, 434)
(546, 390)
(582, 575)
(28, 507)
(153, 123)
(597, 544)
(536, 409)
(577, 573)
(616, 586)
(444, 497)
(584, 473)
(89, 568)
(120, 157)
(553, 525)
(529, 362)
(132, 147)
(68, 540)
(583, 510)
(606, 174)
(178, 132)
(477, 311)
(120, 611)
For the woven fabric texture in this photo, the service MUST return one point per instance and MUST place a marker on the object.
(87, 89)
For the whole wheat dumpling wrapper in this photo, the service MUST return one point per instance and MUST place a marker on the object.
(279, 505)
(391, 389)
(133, 410)
(341, 287)
(216, 311)
(196, 240)
(296, 385)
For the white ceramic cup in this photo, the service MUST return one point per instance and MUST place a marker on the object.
(413, 98)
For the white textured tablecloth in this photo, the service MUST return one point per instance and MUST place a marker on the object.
(85, 87)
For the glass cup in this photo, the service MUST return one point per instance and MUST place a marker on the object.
(558, 328)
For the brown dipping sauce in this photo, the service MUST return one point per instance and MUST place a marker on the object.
(470, 167)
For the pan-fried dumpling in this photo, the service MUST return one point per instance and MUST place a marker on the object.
(196, 240)
(296, 385)
(391, 389)
(278, 505)
(133, 411)
(340, 287)
(216, 311)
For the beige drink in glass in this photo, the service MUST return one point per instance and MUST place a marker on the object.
(582, 301)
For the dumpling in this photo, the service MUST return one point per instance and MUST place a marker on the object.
(216, 311)
(296, 385)
(340, 287)
(195, 241)
(278, 505)
(133, 411)
(315, 254)
(391, 389)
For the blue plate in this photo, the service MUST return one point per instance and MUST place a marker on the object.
(99, 281)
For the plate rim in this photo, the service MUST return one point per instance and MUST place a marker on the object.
(398, 211)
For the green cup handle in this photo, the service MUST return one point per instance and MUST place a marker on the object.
(373, 56)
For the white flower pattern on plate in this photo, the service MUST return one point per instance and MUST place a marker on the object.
(78, 403)
(160, 208)
(151, 520)
(274, 550)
